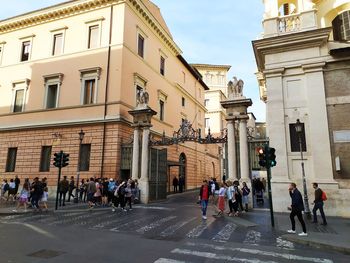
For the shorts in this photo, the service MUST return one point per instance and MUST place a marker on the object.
(23, 200)
(90, 197)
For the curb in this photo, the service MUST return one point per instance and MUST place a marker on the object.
(315, 244)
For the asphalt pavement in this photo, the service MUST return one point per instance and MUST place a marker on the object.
(167, 231)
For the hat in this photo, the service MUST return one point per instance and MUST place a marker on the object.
(111, 179)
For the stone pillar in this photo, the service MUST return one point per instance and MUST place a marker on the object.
(231, 150)
(243, 148)
(136, 154)
(144, 180)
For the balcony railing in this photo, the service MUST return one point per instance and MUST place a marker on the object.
(289, 23)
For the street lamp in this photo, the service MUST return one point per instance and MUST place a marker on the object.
(81, 137)
(299, 128)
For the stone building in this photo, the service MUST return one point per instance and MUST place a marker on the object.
(303, 60)
(78, 66)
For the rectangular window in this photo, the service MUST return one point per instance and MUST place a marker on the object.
(84, 161)
(25, 51)
(93, 36)
(141, 46)
(52, 92)
(162, 65)
(206, 102)
(207, 122)
(89, 91)
(19, 101)
(11, 160)
(294, 138)
(161, 110)
(183, 102)
(57, 44)
(45, 158)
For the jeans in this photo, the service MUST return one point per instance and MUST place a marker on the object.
(297, 212)
(35, 200)
(319, 205)
(204, 205)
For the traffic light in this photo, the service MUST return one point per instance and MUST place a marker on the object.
(271, 157)
(65, 159)
(262, 157)
(57, 159)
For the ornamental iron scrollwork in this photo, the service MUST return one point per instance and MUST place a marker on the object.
(186, 133)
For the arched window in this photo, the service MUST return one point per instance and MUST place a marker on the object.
(341, 26)
(287, 9)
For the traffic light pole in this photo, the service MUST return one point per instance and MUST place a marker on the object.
(59, 179)
(270, 195)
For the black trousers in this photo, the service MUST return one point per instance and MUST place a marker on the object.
(297, 212)
(62, 194)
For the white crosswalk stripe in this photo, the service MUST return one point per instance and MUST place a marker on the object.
(155, 224)
(225, 233)
(172, 229)
(252, 237)
(127, 225)
(168, 260)
(198, 230)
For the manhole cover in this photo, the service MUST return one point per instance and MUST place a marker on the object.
(45, 253)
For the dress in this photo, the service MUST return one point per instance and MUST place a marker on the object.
(221, 201)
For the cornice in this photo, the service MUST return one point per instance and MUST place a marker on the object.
(289, 42)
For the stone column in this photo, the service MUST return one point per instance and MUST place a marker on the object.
(144, 180)
(243, 148)
(135, 154)
(231, 152)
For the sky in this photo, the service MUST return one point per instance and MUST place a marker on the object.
(207, 31)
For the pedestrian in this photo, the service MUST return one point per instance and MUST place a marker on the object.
(111, 190)
(23, 197)
(98, 193)
(11, 190)
(63, 187)
(37, 192)
(71, 188)
(204, 194)
(232, 204)
(44, 198)
(181, 184)
(221, 200)
(318, 204)
(128, 194)
(104, 191)
(296, 208)
(212, 190)
(90, 191)
(121, 195)
(175, 184)
(17, 183)
(245, 196)
(82, 190)
(238, 195)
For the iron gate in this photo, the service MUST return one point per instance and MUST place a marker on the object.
(158, 178)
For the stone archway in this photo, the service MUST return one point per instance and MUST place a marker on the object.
(182, 172)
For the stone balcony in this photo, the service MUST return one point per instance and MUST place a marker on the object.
(281, 25)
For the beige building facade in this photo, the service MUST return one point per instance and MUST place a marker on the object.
(78, 66)
(303, 60)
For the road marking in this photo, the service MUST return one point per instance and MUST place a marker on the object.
(198, 230)
(136, 222)
(172, 229)
(252, 237)
(155, 207)
(216, 256)
(153, 225)
(284, 244)
(168, 260)
(225, 234)
(34, 228)
(262, 253)
(70, 220)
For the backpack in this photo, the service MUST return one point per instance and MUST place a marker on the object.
(111, 186)
(217, 186)
(324, 196)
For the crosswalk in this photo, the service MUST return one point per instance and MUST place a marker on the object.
(219, 235)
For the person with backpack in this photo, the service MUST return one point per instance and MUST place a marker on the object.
(111, 190)
(320, 197)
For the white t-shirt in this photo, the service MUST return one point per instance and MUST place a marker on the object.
(222, 191)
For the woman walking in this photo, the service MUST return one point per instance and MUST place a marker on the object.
(245, 196)
(221, 200)
(23, 197)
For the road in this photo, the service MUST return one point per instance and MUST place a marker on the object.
(170, 231)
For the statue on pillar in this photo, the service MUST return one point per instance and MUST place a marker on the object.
(235, 88)
(142, 99)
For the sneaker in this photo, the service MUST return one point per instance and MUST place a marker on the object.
(14, 210)
(291, 231)
(204, 217)
(113, 210)
(302, 234)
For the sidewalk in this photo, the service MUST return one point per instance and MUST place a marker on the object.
(334, 236)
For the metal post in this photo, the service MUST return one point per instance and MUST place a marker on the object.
(59, 179)
(81, 137)
(306, 199)
(268, 170)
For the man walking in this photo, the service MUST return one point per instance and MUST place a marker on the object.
(175, 184)
(71, 188)
(63, 189)
(203, 198)
(296, 209)
(318, 204)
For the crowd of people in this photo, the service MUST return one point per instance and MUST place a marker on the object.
(100, 192)
(33, 194)
(230, 193)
